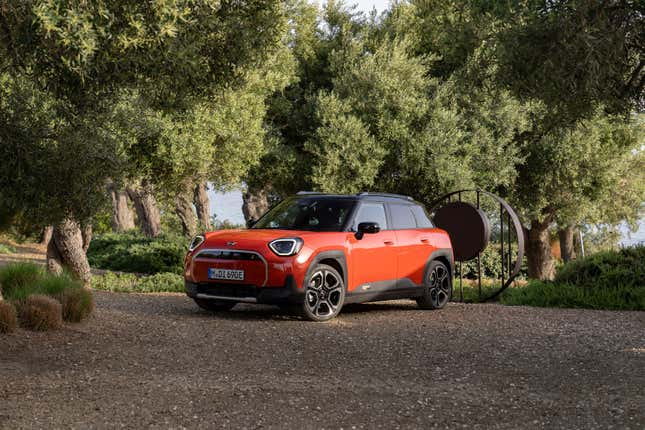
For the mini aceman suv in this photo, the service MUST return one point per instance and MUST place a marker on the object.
(316, 252)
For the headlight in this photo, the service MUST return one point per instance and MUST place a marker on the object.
(197, 240)
(286, 246)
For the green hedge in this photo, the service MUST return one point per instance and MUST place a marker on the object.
(132, 252)
(608, 269)
(130, 283)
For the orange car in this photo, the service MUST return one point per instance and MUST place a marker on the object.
(316, 252)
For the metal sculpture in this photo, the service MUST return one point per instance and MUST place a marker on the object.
(469, 231)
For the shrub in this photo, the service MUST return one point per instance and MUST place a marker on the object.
(38, 312)
(132, 252)
(551, 294)
(6, 249)
(491, 263)
(608, 269)
(8, 317)
(18, 280)
(53, 285)
(77, 304)
(130, 283)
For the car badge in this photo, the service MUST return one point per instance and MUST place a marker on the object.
(231, 243)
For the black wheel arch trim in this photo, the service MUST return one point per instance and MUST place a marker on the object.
(436, 254)
(337, 255)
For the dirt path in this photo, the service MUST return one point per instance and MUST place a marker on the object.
(158, 361)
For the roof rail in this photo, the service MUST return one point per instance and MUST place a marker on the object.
(300, 193)
(400, 196)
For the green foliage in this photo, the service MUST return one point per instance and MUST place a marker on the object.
(491, 265)
(18, 280)
(56, 285)
(130, 283)
(33, 290)
(132, 252)
(77, 303)
(556, 295)
(606, 270)
(6, 249)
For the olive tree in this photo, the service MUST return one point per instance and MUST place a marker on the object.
(66, 63)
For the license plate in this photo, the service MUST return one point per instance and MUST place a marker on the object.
(226, 274)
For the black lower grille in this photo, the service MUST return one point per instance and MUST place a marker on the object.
(228, 290)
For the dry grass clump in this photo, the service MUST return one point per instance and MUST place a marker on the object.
(38, 312)
(77, 303)
(8, 317)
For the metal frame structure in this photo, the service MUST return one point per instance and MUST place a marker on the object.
(506, 253)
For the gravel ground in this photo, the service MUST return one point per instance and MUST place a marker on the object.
(158, 361)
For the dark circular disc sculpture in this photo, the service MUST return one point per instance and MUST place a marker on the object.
(467, 226)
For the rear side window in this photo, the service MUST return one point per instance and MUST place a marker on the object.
(371, 212)
(422, 218)
(402, 217)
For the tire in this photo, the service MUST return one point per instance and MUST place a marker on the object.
(438, 287)
(215, 305)
(324, 294)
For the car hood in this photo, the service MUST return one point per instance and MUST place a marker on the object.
(247, 238)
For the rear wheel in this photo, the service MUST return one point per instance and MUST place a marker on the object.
(215, 305)
(438, 287)
(324, 294)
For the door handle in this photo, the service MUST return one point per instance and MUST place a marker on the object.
(425, 240)
(388, 242)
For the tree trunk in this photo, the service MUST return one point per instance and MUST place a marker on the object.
(202, 205)
(65, 249)
(567, 250)
(46, 235)
(255, 203)
(145, 204)
(122, 216)
(538, 251)
(86, 233)
(184, 210)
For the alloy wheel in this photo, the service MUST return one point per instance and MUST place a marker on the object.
(323, 296)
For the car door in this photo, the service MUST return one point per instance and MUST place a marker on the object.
(411, 248)
(373, 258)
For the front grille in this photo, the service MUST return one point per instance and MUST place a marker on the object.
(229, 255)
(228, 290)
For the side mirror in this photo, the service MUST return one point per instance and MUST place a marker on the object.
(251, 222)
(367, 228)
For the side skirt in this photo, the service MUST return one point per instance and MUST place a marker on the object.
(385, 290)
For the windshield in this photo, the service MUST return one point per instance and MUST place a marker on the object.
(313, 214)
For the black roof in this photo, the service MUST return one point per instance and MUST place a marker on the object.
(360, 196)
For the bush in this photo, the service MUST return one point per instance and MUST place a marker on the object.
(38, 312)
(18, 280)
(132, 252)
(77, 304)
(130, 283)
(25, 280)
(8, 317)
(6, 249)
(551, 294)
(608, 270)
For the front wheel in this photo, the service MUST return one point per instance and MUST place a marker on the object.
(438, 287)
(215, 305)
(324, 294)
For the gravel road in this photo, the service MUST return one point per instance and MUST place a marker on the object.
(157, 361)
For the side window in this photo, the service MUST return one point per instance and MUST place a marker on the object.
(402, 217)
(422, 217)
(371, 212)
